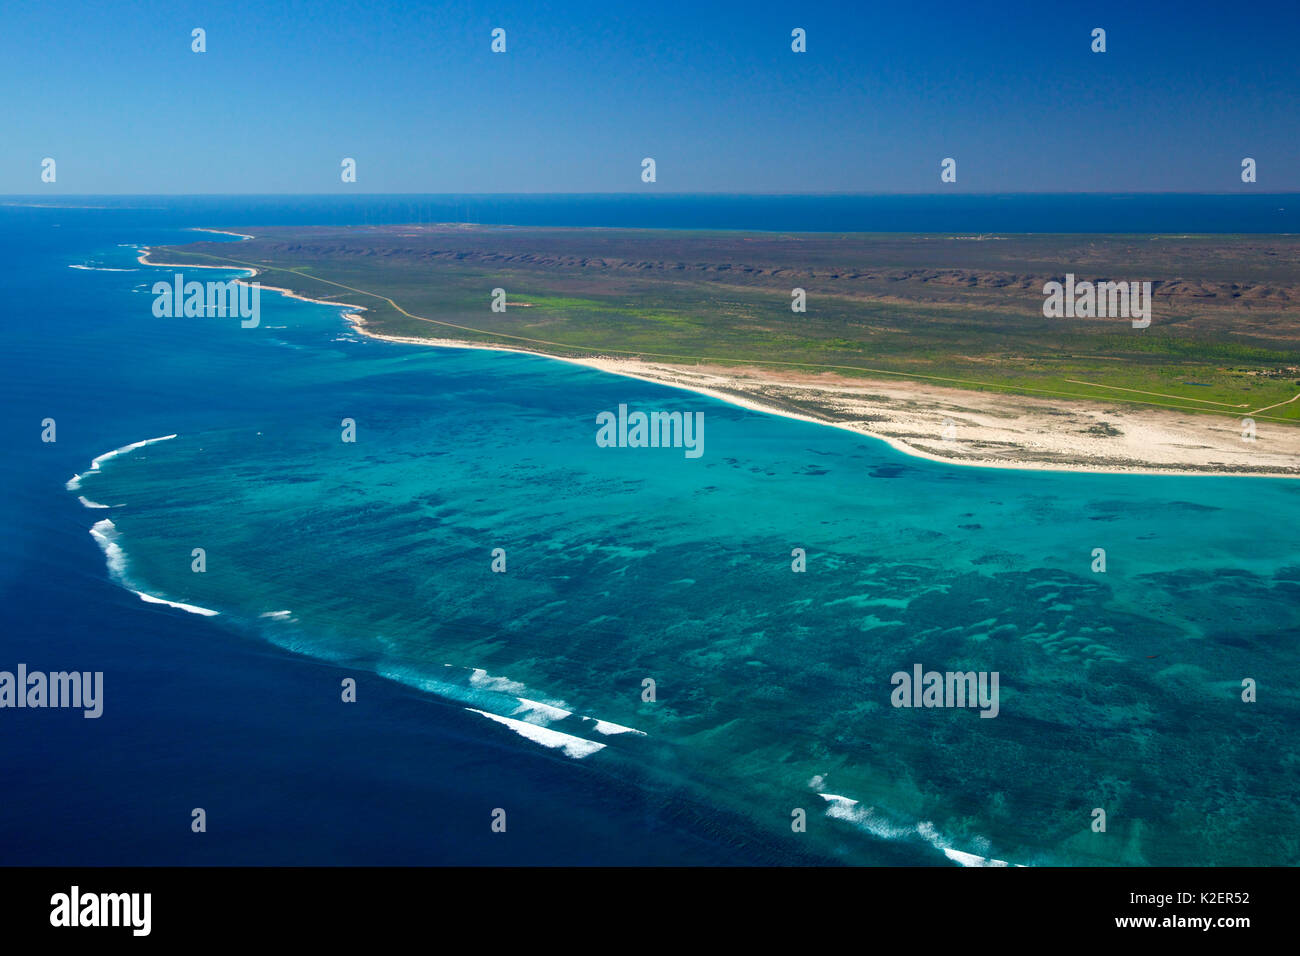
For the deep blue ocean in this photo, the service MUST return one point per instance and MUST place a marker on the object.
(523, 691)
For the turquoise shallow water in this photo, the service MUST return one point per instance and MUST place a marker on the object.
(1119, 691)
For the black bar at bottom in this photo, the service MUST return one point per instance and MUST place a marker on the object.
(334, 905)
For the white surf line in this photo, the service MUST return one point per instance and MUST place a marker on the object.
(753, 404)
(570, 746)
(867, 818)
(609, 728)
(249, 273)
(537, 712)
(74, 483)
(543, 714)
(851, 426)
(223, 232)
(105, 534)
(192, 608)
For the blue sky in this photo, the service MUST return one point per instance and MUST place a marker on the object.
(586, 90)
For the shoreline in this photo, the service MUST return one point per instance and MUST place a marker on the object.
(224, 232)
(991, 444)
(251, 273)
(748, 402)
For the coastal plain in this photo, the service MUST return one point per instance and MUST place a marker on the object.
(935, 343)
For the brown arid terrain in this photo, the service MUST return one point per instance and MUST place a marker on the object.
(937, 344)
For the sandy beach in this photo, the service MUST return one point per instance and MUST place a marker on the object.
(250, 273)
(957, 426)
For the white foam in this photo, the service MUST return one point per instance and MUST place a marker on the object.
(871, 820)
(105, 534)
(940, 842)
(192, 608)
(96, 462)
(74, 483)
(485, 681)
(851, 811)
(570, 746)
(608, 727)
(836, 799)
(418, 681)
(539, 713)
(87, 503)
(971, 859)
(536, 715)
(101, 269)
(276, 615)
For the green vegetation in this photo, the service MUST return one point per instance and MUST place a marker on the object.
(1224, 337)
